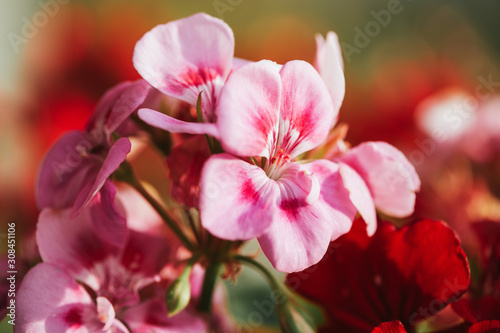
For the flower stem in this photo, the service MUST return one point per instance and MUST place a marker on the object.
(125, 173)
(193, 226)
(273, 282)
(211, 275)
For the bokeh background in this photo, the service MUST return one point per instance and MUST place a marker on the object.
(58, 57)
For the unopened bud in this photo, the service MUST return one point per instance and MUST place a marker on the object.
(179, 293)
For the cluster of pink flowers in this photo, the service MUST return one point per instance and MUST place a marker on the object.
(257, 155)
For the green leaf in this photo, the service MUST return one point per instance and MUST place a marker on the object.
(199, 113)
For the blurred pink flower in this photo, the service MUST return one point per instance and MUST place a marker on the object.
(109, 259)
(80, 162)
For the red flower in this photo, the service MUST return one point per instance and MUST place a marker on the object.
(408, 275)
(185, 164)
(390, 327)
(483, 303)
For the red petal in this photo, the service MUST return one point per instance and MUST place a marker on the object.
(390, 327)
(407, 275)
(485, 308)
(487, 326)
(185, 164)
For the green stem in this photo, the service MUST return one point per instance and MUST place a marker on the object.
(193, 226)
(257, 265)
(125, 173)
(211, 275)
(164, 215)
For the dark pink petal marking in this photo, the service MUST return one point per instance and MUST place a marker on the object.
(74, 317)
(248, 191)
(291, 207)
(197, 77)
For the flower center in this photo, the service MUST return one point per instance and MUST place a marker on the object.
(274, 166)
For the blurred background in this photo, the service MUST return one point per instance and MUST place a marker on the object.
(59, 56)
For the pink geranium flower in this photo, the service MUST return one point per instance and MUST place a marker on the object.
(329, 64)
(80, 162)
(80, 257)
(377, 175)
(183, 58)
(294, 209)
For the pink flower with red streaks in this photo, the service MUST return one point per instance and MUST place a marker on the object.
(377, 175)
(276, 113)
(183, 58)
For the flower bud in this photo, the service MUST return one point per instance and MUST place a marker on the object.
(179, 293)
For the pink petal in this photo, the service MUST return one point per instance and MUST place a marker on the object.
(299, 235)
(328, 62)
(183, 57)
(334, 197)
(49, 300)
(129, 101)
(98, 118)
(391, 178)
(310, 184)
(106, 312)
(360, 196)
(248, 110)
(75, 245)
(146, 254)
(106, 220)
(116, 155)
(65, 170)
(306, 111)
(239, 62)
(150, 243)
(167, 123)
(235, 198)
(151, 316)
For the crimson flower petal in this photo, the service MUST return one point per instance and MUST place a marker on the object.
(390, 327)
(405, 274)
(487, 326)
